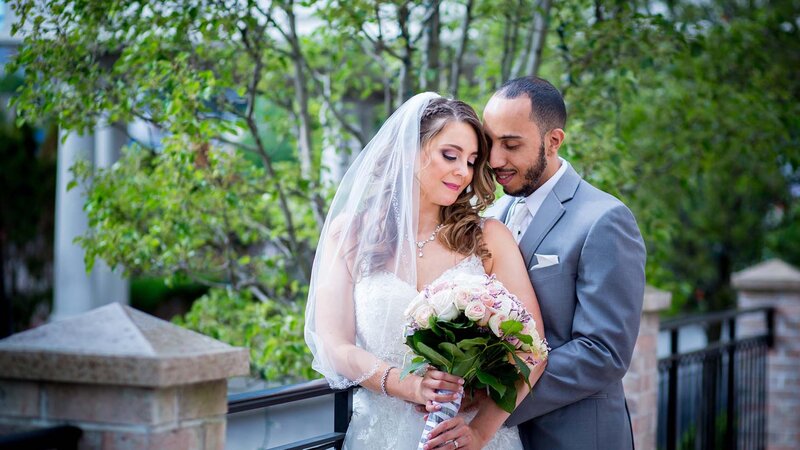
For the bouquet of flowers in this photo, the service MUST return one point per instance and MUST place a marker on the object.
(472, 327)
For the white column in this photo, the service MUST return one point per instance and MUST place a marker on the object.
(108, 286)
(72, 285)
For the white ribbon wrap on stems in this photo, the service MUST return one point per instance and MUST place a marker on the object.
(448, 411)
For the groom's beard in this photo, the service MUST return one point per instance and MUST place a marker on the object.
(532, 176)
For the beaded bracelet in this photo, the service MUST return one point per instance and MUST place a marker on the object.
(384, 378)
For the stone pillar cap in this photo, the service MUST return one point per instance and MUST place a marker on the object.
(116, 344)
(771, 275)
(656, 299)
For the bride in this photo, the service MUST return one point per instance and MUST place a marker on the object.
(404, 216)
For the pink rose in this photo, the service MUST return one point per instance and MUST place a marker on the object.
(422, 316)
(475, 311)
(489, 312)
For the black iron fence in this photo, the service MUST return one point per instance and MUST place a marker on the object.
(715, 397)
(342, 409)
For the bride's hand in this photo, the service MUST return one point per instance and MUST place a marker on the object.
(434, 380)
(469, 402)
(455, 434)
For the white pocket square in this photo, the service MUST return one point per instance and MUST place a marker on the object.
(544, 261)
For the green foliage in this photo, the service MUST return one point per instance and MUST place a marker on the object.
(694, 128)
(189, 214)
(147, 293)
(272, 332)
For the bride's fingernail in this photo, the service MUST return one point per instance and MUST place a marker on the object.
(461, 381)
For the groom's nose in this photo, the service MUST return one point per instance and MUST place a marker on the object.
(496, 157)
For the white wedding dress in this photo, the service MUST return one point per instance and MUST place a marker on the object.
(378, 421)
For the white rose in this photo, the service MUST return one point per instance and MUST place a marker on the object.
(494, 323)
(443, 304)
(418, 301)
(463, 297)
(505, 305)
(475, 310)
(422, 316)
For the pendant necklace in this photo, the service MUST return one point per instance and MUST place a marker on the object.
(432, 237)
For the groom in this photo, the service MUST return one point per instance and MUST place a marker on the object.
(585, 258)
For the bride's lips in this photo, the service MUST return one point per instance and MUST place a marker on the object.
(504, 177)
(451, 186)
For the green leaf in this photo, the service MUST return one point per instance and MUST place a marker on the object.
(467, 344)
(467, 366)
(436, 359)
(452, 350)
(416, 364)
(523, 368)
(511, 326)
(491, 381)
(508, 400)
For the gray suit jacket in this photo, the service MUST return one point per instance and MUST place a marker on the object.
(591, 305)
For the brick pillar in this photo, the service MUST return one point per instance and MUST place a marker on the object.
(641, 381)
(777, 284)
(128, 380)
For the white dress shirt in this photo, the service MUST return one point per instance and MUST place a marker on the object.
(533, 202)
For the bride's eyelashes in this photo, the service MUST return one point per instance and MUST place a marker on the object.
(452, 157)
(448, 156)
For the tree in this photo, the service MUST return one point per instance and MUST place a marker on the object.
(685, 116)
(700, 127)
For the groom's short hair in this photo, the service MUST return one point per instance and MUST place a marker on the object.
(547, 105)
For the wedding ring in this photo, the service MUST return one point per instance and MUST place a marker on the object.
(455, 443)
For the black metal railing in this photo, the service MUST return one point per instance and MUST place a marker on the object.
(64, 437)
(715, 397)
(342, 409)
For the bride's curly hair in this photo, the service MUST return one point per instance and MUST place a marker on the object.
(461, 231)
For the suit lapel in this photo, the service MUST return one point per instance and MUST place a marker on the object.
(551, 210)
(547, 216)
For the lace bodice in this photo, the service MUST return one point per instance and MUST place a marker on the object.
(387, 422)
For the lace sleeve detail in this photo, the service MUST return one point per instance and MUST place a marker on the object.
(366, 375)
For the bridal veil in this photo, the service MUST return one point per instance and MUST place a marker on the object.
(370, 228)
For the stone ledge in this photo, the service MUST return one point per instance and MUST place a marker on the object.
(118, 345)
(122, 370)
(768, 276)
(656, 300)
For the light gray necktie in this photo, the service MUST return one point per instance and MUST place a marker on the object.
(519, 212)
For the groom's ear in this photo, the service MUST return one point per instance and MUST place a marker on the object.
(553, 139)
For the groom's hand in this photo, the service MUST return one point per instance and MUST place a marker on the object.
(455, 434)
